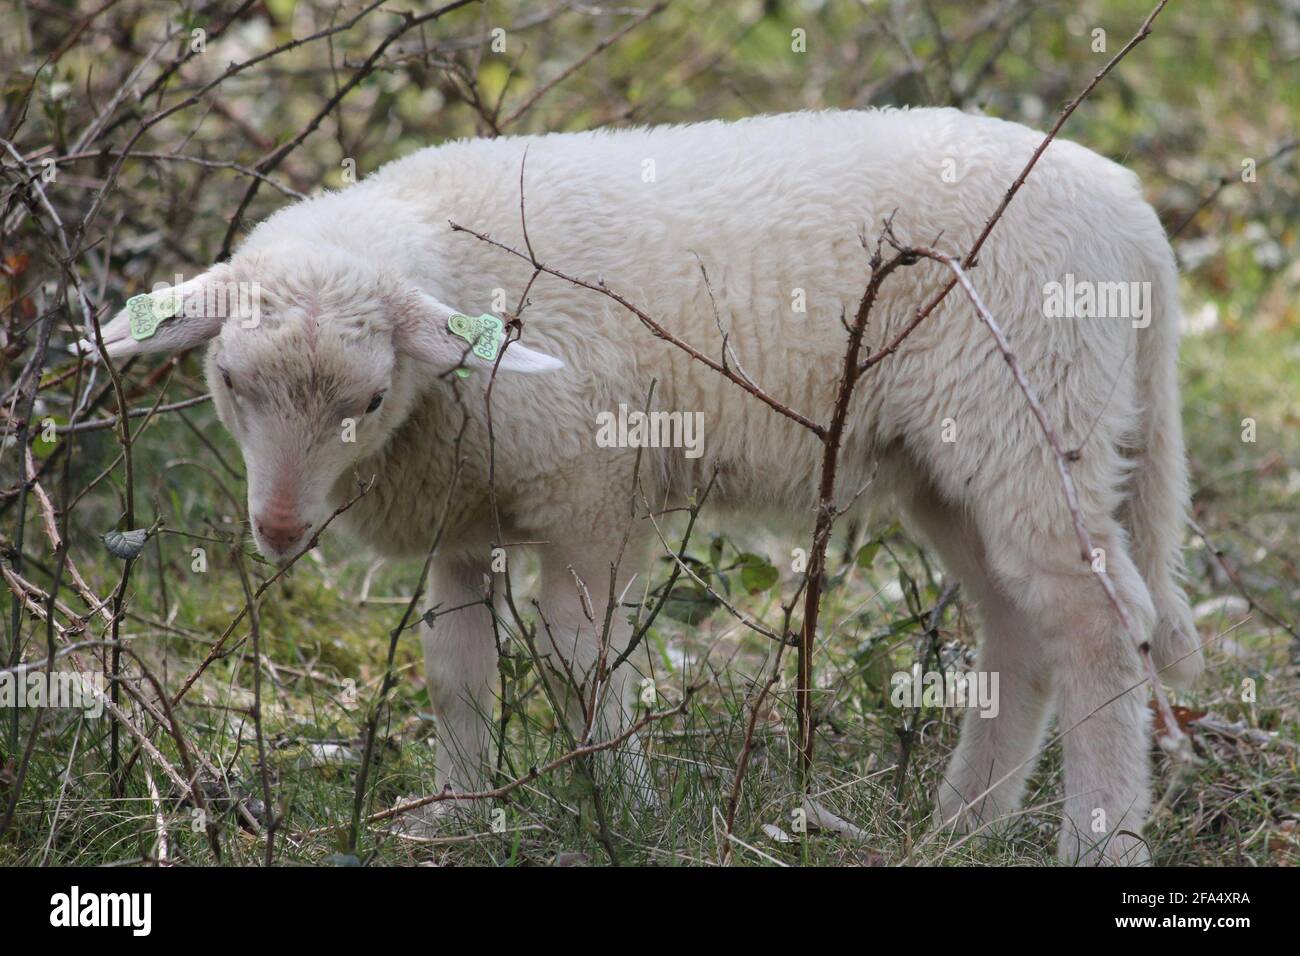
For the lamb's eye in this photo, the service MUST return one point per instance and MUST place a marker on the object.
(375, 402)
(225, 377)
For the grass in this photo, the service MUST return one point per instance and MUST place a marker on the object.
(323, 663)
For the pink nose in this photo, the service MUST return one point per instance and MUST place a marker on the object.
(281, 530)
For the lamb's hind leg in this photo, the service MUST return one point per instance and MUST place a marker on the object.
(1097, 678)
(1103, 718)
(985, 779)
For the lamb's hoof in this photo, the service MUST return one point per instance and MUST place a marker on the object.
(1124, 848)
(956, 818)
(1178, 654)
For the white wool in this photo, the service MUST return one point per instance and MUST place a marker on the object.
(773, 211)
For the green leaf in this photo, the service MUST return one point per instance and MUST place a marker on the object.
(867, 555)
(756, 573)
(875, 667)
(282, 10)
(516, 666)
(125, 544)
(715, 551)
(690, 604)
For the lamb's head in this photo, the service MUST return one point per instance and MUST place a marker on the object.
(313, 360)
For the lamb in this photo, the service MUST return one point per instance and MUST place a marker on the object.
(753, 229)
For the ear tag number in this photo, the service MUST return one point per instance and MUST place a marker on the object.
(484, 334)
(150, 310)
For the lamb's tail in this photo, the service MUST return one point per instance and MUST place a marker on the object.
(1157, 507)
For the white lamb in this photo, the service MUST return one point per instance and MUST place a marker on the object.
(357, 289)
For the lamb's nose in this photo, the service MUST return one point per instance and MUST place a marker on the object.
(282, 531)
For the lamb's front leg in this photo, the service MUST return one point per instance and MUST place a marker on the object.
(460, 660)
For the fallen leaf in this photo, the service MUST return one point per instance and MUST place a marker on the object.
(819, 818)
(776, 834)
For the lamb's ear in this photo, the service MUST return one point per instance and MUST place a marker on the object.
(166, 320)
(422, 330)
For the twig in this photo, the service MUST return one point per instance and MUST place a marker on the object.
(578, 64)
(657, 329)
(1177, 740)
(1219, 558)
(99, 424)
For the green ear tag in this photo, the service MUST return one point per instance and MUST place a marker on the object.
(483, 333)
(150, 310)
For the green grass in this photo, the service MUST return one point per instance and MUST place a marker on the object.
(1236, 805)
